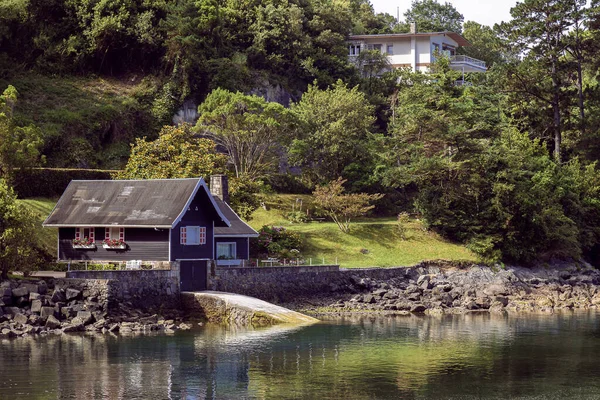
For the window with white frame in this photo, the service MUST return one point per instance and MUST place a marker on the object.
(192, 235)
(85, 234)
(226, 251)
(354, 49)
(114, 233)
(390, 49)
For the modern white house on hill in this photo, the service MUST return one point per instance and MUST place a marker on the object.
(416, 49)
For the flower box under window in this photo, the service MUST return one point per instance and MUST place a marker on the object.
(90, 246)
(114, 244)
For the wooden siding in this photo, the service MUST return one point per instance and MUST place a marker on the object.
(200, 213)
(146, 244)
(241, 246)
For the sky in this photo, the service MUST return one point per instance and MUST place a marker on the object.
(486, 12)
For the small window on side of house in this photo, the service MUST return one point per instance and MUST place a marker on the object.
(192, 235)
(226, 251)
(85, 233)
(390, 49)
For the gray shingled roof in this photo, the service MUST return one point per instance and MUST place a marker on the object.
(130, 203)
(237, 228)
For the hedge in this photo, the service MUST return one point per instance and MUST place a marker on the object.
(52, 182)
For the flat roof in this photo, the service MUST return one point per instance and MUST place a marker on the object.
(459, 39)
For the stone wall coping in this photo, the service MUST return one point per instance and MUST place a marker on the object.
(280, 268)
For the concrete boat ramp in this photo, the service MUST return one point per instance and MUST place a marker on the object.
(230, 308)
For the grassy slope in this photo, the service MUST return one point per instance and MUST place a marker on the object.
(83, 119)
(324, 240)
(41, 208)
(377, 235)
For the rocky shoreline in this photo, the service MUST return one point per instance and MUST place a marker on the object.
(438, 288)
(39, 307)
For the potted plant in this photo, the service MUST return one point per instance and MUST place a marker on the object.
(114, 244)
(85, 243)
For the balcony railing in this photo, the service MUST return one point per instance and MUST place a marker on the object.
(467, 60)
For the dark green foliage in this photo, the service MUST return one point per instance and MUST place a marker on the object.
(19, 249)
(244, 196)
(276, 241)
(432, 16)
(51, 182)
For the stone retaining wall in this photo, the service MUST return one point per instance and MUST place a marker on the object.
(285, 284)
(141, 288)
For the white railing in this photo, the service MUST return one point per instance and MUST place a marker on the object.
(467, 60)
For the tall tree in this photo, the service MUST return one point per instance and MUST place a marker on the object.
(486, 44)
(335, 135)
(250, 129)
(175, 154)
(538, 31)
(432, 16)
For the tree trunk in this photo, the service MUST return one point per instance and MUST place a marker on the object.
(556, 110)
(580, 94)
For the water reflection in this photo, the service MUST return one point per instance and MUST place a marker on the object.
(355, 357)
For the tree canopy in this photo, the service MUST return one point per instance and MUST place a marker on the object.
(432, 16)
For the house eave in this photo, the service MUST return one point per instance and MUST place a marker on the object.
(96, 225)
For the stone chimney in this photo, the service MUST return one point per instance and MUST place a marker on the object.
(219, 187)
(413, 27)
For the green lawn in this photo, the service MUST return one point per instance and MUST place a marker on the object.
(42, 207)
(372, 242)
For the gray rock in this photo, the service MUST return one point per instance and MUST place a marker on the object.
(20, 291)
(72, 294)
(423, 278)
(31, 287)
(52, 322)
(20, 319)
(47, 311)
(12, 310)
(34, 296)
(390, 296)
(86, 317)
(501, 299)
(74, 326)
(59, 296)
(36, 306)
(369, 299)
(6, 292)
(379, 292)
(42, 287)
(414, 296)
(35, 319)
(418, 308)
(68, 312)
(412, 289)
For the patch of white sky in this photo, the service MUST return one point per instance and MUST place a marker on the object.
(485, 12)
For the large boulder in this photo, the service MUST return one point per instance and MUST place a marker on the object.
(31, 287)
(36, 306)
(52, 322)
(20, 291)
(71, 294)
(85, 317)
(47, 312)
(20, 319)
(59, 296)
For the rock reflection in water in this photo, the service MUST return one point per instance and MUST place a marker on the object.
(353, 357)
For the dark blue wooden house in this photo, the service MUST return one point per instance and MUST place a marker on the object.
(149, 220)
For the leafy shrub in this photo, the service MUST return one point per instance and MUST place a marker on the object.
(296, 217)
(276, 241)
(401, 226)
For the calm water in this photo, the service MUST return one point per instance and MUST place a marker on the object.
(459, 357)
